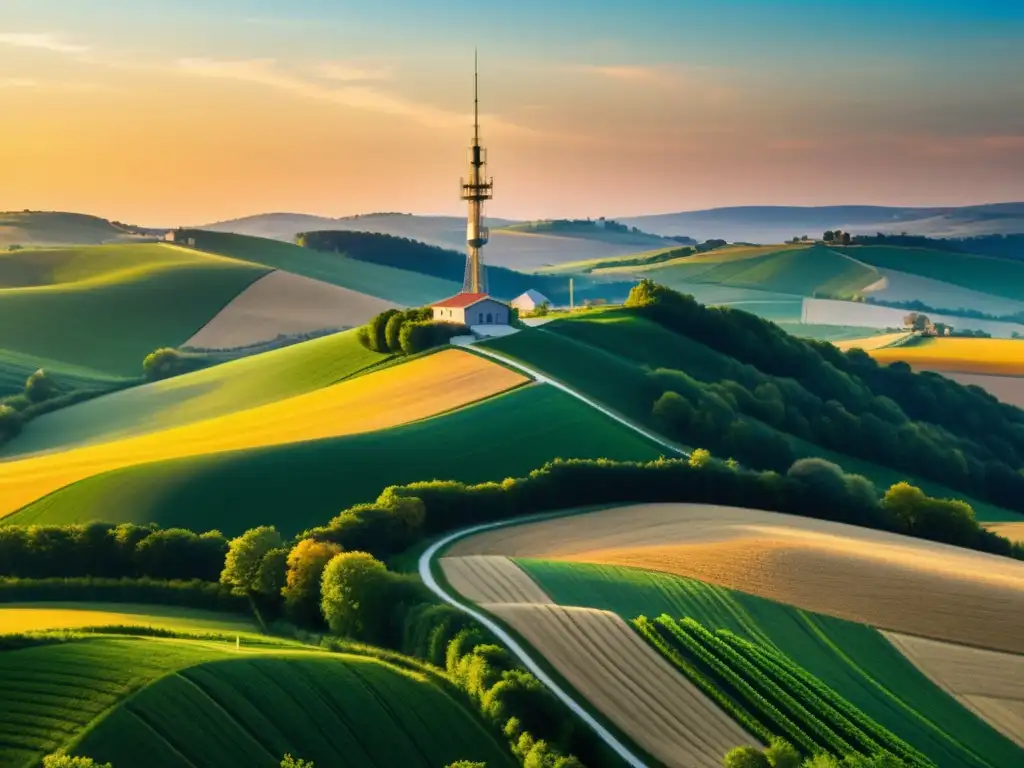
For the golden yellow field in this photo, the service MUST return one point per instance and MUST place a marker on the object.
(992, 356)
(38, 617)
(872, 343)
(1012, 531)
(873, 577)
(989, 684)
(416, 390)
(608, 663)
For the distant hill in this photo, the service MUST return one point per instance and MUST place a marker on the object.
(523, 246)
(27, 228)
(770, 224)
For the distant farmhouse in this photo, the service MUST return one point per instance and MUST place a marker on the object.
(530, 301)
(472, 309)
(176, 236)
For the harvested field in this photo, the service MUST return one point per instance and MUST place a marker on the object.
(415, 390)
(874, 342)
(873, 577)
(283, 303)
(834, 312)
(960, 355)
(606, 662)
(1009, 389)
(629, 682)
(989, 684)
(489, 579)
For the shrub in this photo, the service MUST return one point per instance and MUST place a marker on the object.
(167, 362)
(10, 423)
(63, 760)
(40, 386)
(746, 757)
(422, 335)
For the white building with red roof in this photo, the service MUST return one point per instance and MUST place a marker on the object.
(472, 309)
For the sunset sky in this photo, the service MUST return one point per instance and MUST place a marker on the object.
(185, 112)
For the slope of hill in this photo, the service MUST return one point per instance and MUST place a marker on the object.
(106, 307)
(121, 699)
(767, 224)
(16, 367)
(399, 286)
(504, 436)
(218, 391)
(625, 347)
(54, 228)
(416, 390)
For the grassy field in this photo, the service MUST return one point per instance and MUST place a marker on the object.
(202, 703)
(400, 286)
(838, 333)
(853, 659)
(36, 617)
(54, 228)
(418, 389)
(241, 384)
(16, 367)
(509, 435)
(999, 277)
(990, 356)
(107, 307)
(334, 710)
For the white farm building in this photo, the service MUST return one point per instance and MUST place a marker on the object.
(530, 300)
(472, 309)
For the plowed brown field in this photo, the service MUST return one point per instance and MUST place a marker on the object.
(607, 662)
(990, 684)
(889, 581)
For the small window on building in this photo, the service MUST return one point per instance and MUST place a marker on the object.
(481, 317)
(490, 318)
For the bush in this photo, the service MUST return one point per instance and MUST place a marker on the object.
(63, 760)
(420, 336)
(10, 423)
(166, 362)
(40, 387)
(746, 757)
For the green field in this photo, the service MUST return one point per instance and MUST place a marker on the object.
(853, 659)
(829, 332)
(301, 485)
(999, 277)
(397, 285)
(16, 367)
(202, 703)
(55, 228)
(226, 388)
(107, 307)
(334, 710)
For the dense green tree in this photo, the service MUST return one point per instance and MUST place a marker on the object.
(40, 387)
(271, 574)
(244, 557)
(176, 553)
(306, 563)
(352, 590)
(295, 762)
(781, 754)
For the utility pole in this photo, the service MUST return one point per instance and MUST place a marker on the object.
(572, 303)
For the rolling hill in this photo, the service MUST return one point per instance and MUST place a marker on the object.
(47, 228)
(106, 307)
(769, 224)
(125, 699)
(575, 569)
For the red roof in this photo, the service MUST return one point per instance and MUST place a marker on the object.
(461, 300)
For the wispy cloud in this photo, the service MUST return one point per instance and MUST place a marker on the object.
(626, 72)
(46, 41)
(345, 72)
(268, 73)
(17, 82)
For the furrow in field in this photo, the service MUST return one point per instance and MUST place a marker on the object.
(873, 577)
(988, 683)
(489, 579)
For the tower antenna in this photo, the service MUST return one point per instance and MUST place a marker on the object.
(476, 189)
(476, 100)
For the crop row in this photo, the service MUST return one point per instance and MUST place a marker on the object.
(870, 735)
(768, 688)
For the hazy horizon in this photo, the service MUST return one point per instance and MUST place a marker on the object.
(218, 110)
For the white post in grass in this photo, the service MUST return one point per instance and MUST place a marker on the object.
(572, 304)
(238, 642)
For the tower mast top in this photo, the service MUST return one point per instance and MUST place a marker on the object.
(476, 100)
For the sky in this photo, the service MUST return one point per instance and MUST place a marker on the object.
(182, 112)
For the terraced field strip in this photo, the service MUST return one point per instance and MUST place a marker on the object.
(283, 303)
(884, 341)
(332, 709)
(627, 681)
(604, 660)
(490, 579)
(416, 390)
(873, 577)
(999, 357)
(989, 684)
(35, 617)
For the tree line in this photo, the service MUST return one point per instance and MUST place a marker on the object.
(997, 246)
(407, 332)
(921, 423)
